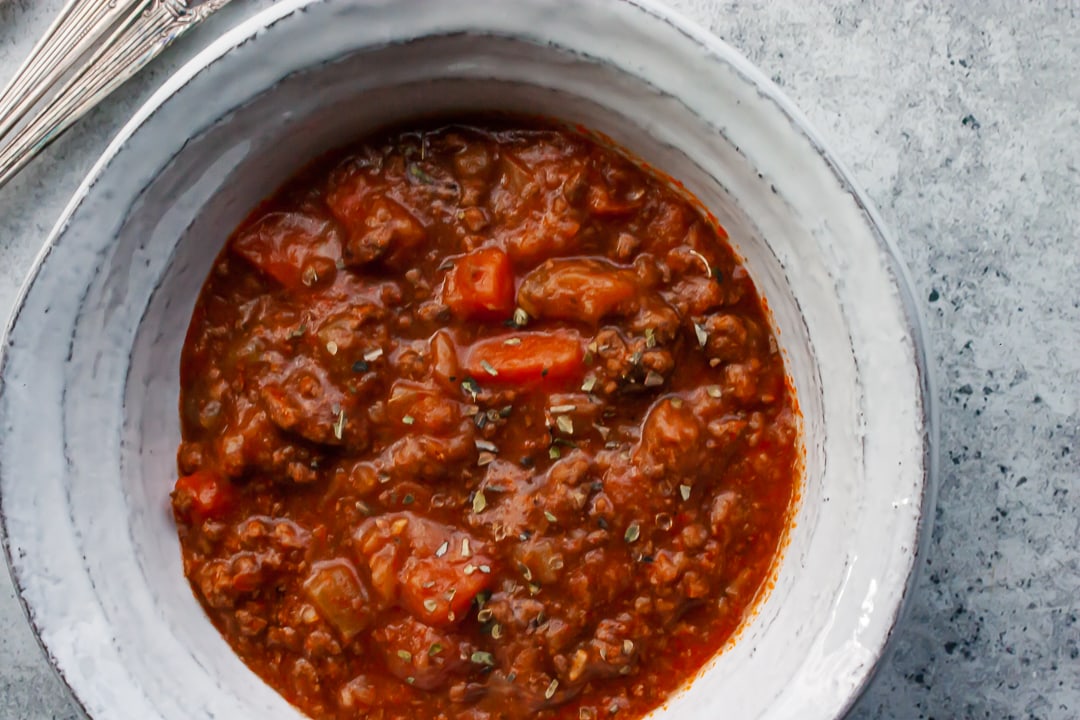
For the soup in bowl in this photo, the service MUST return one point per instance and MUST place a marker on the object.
(92, 365)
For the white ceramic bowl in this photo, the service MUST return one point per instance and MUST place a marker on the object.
(88, 408)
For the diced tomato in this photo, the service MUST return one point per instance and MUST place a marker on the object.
(293, 248)
(481, 285)
(439, 591)
(528, 357)
(201, 495)
(432, 570)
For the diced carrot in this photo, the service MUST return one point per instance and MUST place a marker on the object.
(481, 285)
(528, 357)
(201, 495)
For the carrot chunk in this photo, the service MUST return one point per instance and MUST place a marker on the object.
(481, 285)
(430, 569)
(439, 591)
(528, 357)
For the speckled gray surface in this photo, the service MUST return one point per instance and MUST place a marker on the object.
(962, 121)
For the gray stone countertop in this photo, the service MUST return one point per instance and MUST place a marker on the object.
(962, 121)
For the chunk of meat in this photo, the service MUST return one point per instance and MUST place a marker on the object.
(540, 557)
(554, 231)
(721, 510)
(506, 519)
(535, 219)
(425, 458)
(634, 363)
(201, 495)
(655, 316)
(247, 446)
(528, 357)
(431, 570)
(695, 295)
(471, 160)
(514, 186)
(732, 338)
(583, 290)
(608, 647)
(378, 228)
(669, 439)
(597, 580)
(615, 192)
(292, 248)
(669, 227)
(304, 401)
(423, 656)
(364, 692)
(224, 582)
(354, 329)
(480, 285)
(424, 408)
(741, 379)
(518, 502)
(563, 492)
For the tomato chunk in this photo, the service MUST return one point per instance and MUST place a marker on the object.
(439, 591)
(481, 285)
(201, 495)
(292, 248)
(431, 570)
(528, 357)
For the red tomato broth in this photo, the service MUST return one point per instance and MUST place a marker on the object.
(402, 494)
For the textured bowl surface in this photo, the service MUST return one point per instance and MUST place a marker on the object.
(89, 376)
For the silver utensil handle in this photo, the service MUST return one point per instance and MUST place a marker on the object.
(91, 49)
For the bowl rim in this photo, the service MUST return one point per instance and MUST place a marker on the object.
(719, 51)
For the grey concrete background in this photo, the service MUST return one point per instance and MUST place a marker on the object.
(962, 121)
